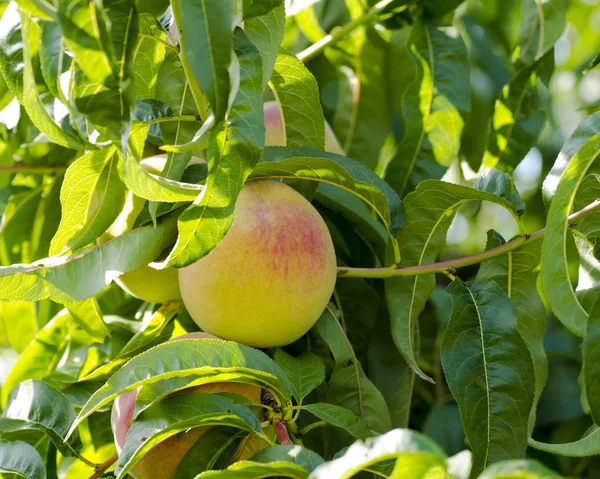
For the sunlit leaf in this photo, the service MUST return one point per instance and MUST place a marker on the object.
(433, 106)
(560, 187)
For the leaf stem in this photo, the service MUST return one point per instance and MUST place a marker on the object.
(101, 468)
(340, 33)
(282, 432)
(197, 93)
(448, 267)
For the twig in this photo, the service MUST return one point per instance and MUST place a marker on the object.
(446, 267)
(38, 170)
(312, 426)
(335, 37)
(282, 432)
(101, 468)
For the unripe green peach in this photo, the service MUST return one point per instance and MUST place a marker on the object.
(275, 133)
(146, 283)
(269, 280)
(152, 285)
(162, 460)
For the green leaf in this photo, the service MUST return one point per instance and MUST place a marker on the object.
(38, 8)
(350, 388)
(17, 224)
(41, 357)
(516, 274)
(519, 116)
(390, 373)
(173, 89)
(88, 315)
(177, 414)
(501, 185)
(253, 470)
(561, 185)
(293, 454)
(305, 372)
(235, 149)
(31, 98)
(266, 32)
(349, 206)
(67, 279)
(149, 185)
(102, 39)
(489, 372)
(149, 335)
(542, 24)
(212, 450)
(438, 8)
(593, 63)
(429, 213)
(313, 165)
(588, 445)
(433, 107)
(193, 362)
(519, 469)
(400, 445)
(206, 41)
(47, 219)
(20, 333)
(591, 360)
(256, 8)
(587, 193)
(153, 7)
(297, 93)
(340, 417)
(53, 59)
(91, 198)
(330, 329)
(36, 406)
(149, 55)
(20, 458)
(11, 51)
(362, 119)
(443, 425)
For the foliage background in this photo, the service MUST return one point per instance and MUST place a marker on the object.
(491, 31)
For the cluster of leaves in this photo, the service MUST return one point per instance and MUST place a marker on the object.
(101, 85)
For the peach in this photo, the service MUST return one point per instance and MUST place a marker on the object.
(271, 277)
(162, 460)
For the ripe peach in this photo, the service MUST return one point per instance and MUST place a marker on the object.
(269, 280)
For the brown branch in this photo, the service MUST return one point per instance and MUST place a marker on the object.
(101, 468)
